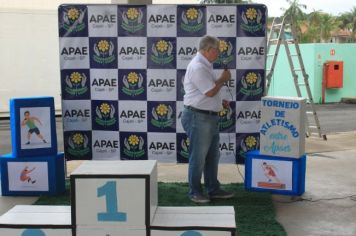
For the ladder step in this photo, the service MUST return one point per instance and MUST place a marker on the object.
(301, 84)
(278, 25)
(274, 40)
(271, 54)
(310, 112)
(313, 127)
(297, 69)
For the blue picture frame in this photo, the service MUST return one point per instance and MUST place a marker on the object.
(24, 130)
(298, 173)
(55, 171)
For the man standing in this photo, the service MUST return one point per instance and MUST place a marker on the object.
(202, 103)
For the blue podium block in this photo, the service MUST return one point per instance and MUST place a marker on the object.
(30, 176)
(279, 175)
(33, 126)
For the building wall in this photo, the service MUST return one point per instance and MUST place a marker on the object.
(29, 48)
(314, 56)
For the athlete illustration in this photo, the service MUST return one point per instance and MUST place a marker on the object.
(270, 172)
(30, 122)
(25, 175)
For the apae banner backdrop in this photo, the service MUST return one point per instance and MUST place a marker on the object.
(122, 68)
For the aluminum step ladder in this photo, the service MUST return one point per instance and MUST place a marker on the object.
(277, 36)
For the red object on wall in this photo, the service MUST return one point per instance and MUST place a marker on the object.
(333, 74)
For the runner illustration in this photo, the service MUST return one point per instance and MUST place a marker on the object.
(25, 175)
(270, 172)
(30, 122)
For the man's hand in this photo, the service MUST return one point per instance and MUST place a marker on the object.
(225, 75)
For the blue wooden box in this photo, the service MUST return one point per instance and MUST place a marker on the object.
(33, 126)
(279, 175)
(31, 176)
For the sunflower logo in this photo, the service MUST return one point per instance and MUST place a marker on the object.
(78, 145)
(134, 140)
(132, 77)
(250, 141)
(162, 46)
(73, 20)
(251, 13)
(162, 52)
(162, 110)
(222, 46)
(192, 13)
(223, 112)
(73, 14)
(105, 108)
(103, 45)
(133, 147)
(251, 78)
(78, 139)
(104, 51)
(132, 13)
(105, 114)
(75, 77)
(162, 116)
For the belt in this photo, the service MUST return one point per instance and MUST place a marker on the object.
(202, 111)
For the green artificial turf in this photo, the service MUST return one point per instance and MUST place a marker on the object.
(254, 211)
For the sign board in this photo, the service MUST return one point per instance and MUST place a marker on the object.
(282, 129)
(122, 68)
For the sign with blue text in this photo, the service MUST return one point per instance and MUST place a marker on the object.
(283, 126)
(122, 68)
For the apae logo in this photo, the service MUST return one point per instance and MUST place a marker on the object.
(73, 20)
(247, 144)
(251, 20)
(100, 19)
(192, 20)
(133, 146)
(106, 146)
(105, 114)
(162, 116)
(78, 145)
(162, 52)
(159, 19)
(133, 84)
(160, 85)
(226, 119)
(160, 148)
(132, 20)
(251, 84)
(76, 84)
(104, 52)
(222, 19)
(225, 53)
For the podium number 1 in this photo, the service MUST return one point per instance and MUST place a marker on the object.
(109, 191)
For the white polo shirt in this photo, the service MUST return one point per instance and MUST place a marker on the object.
(199, 79)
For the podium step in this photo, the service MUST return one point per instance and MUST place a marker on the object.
(216, 220)
(36, 220)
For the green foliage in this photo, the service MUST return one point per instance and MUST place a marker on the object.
(348, 21)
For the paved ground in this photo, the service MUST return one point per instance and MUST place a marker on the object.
(329, 205)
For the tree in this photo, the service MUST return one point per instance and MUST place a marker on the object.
(328, 24)
(295, 10)
(348, 21)
(296, 14)
(320, 26)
